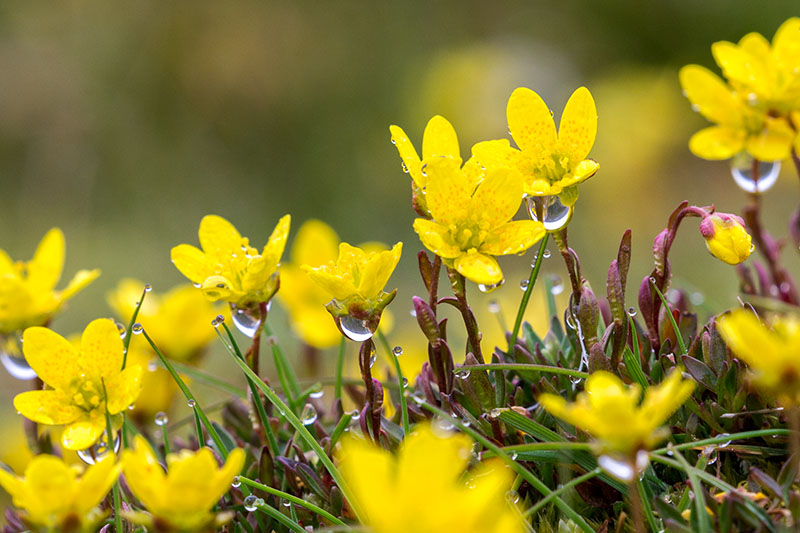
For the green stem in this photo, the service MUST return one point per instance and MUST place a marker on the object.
(562, 489)
(189, 398)
(535, 482)
(524, 366)
(678, 336)
(302, 432)
(110, 449)
(723, 439)
(278, 353)
(400, 380)
(206, 379)
(527, 295)
(127, 342)
(340, 368)
(294, 499)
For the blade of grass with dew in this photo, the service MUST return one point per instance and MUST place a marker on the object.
(338, 431)
(280, 517)
(340, 368)
(721, 439)
(126, 342)
(703, 523)
(287, 368)
(524, 366)
(302, 431)
(562, 489)
(207, 379)
(294, 499)
(645, 496)
(535, 482)
(400, 381)
(189, 398)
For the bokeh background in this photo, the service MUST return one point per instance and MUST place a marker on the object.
(125, 123)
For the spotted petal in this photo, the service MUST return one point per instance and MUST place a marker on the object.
(47, 407)
(530, 121)
(277, 241)
(711, 96)
(440, 140)
(101, 349)
(513, 238)
(717, 142)
(408, 154)
(51, 356)
(218, 237)
(124, 388)
(83, 434)
(436, 238)
(497, 198)
(578, 127)
(480, 268)
(448, 192)
(378, 270)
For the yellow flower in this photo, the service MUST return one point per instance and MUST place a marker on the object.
(726, 237)
(423, 488)
(471, 225)
(438, 140)
(356, 282)
(767, 76)
(316, 244)
(739, 126)
(27, 288)
(228, 268)
(180, 499)
(83, 383)
(55, 497)
(771, 353)
(549, 163)
(610, 411)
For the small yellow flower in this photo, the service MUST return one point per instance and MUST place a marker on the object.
(771, 353)
(27, 288)
(726, 237)
(55, 497)
(473, 224)
(549, 163)
(423, 488)
(739, 126)
(356, 282)
(610, 411)
(180, 499)
(228, 268)
(438, 140)
(83, 383)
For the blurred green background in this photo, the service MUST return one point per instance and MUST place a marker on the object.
(125, 123)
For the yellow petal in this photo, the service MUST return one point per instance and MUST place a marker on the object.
(124, 388)
(95, 484)
(786, 45)
(717, 142)
(530, 121)
(277, 241)
(774, 143)
(756, 45)
(52, 482)
(101, 349)
(665, 398)
(315, 244)
(378, 270)
(53, 357)
(218, 288)
(372, 486)
(448, 192)
(711, 96)
(513, 238)
(46, 407)
(221, 481)
(497, 198)
(480, 268)
(14, 486)
(190, 261)
(218, 237)
(499, 153)
(748, 339)
(6, 265)
(81, 279)
(578, 127)
(83, 433)
(188, 479)
(440, 140)
(44, 270)
(436, 238)
(350, 258)
(438, 459)
(144, 475)
(408, 154)
(330, 282)
(739, 65)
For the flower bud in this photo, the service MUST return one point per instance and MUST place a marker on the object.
(726, 237)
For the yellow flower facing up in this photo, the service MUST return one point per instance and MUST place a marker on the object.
(83, 383)
(611, 412)
(54, 496)
(472, 224)
(181, 498)
(771, 353)
(228, 268)
(549, 163)
(726, 237)
(27, 288)
(423, 488)
(356, 281)
(739, 126)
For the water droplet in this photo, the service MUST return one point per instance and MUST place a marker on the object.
(372, 359)
(523, 284)
(218, 321)
(397, 351)
(355, 329)
(710, 452)
(161, 418)
(617, 468)
(99, 450)
(512, 497)
(742, 172)
(244, 320)
(463, 375)
(250, 503)
(148, 288)
(286, 503)
(309, 415)
(652, 280)
(514, 456)
(423, 172)
(191, 403)
(631, 311)
(443, 426)
(123, 331)
(726, 443)
(413, 313)
(197, 285)
(556, 285)
(546, 254)
(355, 414)
(137, 329)
(642, 460)
(317, 394)
(555, 215)
(405, 382)
(487, 288)
(12, 359)
(405, 168)
(569, 322)
(236, 483)
(494, 307)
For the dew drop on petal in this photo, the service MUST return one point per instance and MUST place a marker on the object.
(487, 288)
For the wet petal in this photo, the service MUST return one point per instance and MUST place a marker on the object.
(513, 238)
(331, 282)
(717, 142)
(530, 121)
(499, 153)
(711, 96)
(315, 244)
(378, 270)
(46, 407)
(578, 127)
(83, 433)
(436, 238)
(277, 241)
(218, 237)
(497, 198)
(95, 484)
(144, 475)
(774, 143)
(124, 388)
(190, 261)
(448, 192)
(786, 45)
(101, 349)
(44, 270)
(739, 65)
(440, 140)
(53, 357)
(480, 268)
(408, 154)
